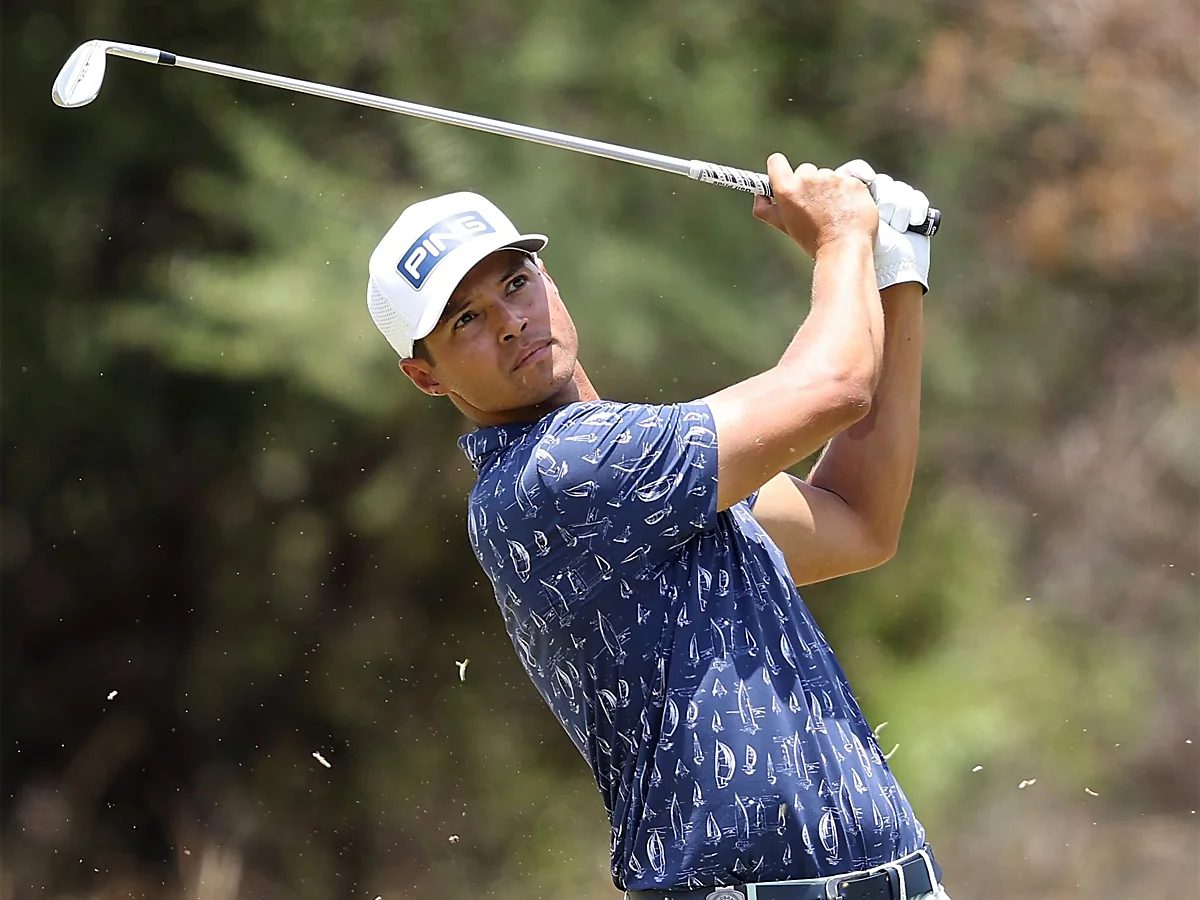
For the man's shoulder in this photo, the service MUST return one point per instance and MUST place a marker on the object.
(582, 422)
(612, 417)
(584, 458)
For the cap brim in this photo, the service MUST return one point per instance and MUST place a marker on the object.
(527, 243)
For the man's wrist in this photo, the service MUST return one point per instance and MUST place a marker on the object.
(901, 293)
(852, 242)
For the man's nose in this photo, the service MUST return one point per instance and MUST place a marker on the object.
(512, 322)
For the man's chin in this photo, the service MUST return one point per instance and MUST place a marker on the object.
(544, 390)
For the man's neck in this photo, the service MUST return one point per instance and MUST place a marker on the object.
(579, 389)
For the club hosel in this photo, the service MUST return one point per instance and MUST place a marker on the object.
(145, 54)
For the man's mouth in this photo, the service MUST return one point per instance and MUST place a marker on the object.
(534, 354)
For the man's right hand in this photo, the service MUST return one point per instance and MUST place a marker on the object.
(816, 207)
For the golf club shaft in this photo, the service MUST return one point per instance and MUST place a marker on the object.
(698, 170)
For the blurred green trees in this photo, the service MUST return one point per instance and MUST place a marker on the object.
(222, 501)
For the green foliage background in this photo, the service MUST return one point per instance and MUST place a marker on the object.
(224, 503)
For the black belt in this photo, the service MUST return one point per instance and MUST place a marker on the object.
(874, 884)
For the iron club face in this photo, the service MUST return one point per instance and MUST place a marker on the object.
(81, 76)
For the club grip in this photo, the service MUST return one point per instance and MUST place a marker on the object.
(757, 183)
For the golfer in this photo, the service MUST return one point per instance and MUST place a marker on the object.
(646, 556)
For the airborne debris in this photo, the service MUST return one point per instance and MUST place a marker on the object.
(1025, 784)
(977, 769)
(319, 758)
(112, 695)
(1088, 790)
(462, 669)
(454, 838)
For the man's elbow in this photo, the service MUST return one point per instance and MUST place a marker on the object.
(847, 399)
(882, 550)
(835, 393)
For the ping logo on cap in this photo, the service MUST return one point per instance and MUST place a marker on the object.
(422, 257)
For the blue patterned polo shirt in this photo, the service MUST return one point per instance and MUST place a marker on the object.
(674, 648)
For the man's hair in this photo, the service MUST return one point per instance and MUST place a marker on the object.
(420, 351)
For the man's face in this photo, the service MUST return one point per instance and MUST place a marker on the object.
(504, 343)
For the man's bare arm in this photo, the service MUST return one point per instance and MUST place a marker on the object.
(846, 516)
(825, 379)
(871, 464)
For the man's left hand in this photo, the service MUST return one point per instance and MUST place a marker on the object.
(900, 255)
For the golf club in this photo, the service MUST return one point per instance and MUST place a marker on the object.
(79, 82)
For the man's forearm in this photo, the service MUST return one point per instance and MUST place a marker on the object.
(843, 332)
(871, 464)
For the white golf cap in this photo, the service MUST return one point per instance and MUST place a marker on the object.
(420, 261)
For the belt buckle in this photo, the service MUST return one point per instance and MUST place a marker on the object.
(833, 887)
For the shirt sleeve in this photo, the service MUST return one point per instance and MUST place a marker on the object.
(634, 480)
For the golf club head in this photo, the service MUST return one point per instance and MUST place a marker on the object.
(80, 78)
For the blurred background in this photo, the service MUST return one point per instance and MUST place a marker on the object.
(236, 575)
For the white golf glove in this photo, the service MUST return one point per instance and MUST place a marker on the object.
(900, 255)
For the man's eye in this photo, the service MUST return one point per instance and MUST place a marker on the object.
(517, 283)
(464, 319)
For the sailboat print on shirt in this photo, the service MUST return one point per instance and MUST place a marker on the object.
(720, 652)
(829, 837)
(704, 585)
(712, 831)
(751, 760)
(741, 823)
(641, 618)
(655, 517)
(557, 600)
(751, 644)
(677, 831)
(657, 489)
(608, 703)
(670, 722)
(724, 765)
(612, 640)
(520, 559)
(655, 852)
(747, 710)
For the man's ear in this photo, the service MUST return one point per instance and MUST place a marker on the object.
(420, 374)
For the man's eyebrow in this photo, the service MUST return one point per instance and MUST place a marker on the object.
(451, 309)
(459, 303)
(512, 270)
